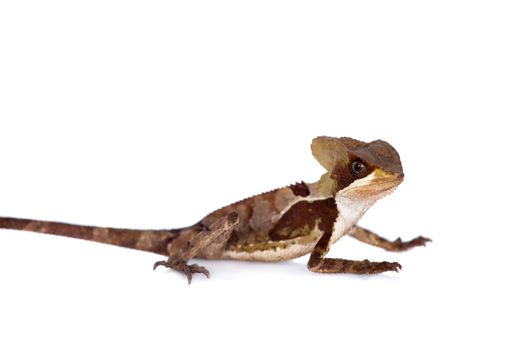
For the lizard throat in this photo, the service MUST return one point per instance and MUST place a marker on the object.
(353, 201)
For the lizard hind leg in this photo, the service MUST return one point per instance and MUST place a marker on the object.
(195, 241)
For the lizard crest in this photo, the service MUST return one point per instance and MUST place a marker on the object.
(347, 160)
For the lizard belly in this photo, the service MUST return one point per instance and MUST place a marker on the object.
(275, 250)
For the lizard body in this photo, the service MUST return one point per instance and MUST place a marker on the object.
(278, 225)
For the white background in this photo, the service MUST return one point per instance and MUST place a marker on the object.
(150, 114)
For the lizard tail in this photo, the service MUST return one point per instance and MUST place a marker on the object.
(155, 241)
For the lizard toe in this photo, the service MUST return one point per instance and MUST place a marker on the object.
(183, 267)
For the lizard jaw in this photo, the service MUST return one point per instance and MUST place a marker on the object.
(372, 187)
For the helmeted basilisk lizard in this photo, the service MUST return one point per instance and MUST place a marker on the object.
(283, 224)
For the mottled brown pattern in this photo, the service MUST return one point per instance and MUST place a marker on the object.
(317, 262)
(398, 245)
(208, 242)
(276, 225)
(257, 215)
(181, 265)
(330, 151)
(360, 267)
(302, 217)
(321, 248)
(342, 175)
(154, 241)
(337, 154)
(300, 189)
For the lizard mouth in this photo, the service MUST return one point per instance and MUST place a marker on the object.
(379, 183)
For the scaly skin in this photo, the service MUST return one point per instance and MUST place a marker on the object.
(278, 225)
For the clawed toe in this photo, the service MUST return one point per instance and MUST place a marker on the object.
(399, 245)
(423, 240)
(387, 266)
(418, 242)
(394, 266)
(159, 263)
(199, 269)
(183, 267)
(371, 267)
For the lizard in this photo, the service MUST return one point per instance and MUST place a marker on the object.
(283, 224)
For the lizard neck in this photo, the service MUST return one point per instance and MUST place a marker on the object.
(324, 188)
(350, 212)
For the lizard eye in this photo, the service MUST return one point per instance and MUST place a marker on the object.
(358, 168)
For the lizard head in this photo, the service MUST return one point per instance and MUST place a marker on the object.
(357, 169)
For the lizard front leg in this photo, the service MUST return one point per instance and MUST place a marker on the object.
(374, 239)
(195, 240)
(317, 262)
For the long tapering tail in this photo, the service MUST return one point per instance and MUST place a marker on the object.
(155, 241)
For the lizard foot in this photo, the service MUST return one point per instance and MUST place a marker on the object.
(398, 245)
(360, 267)
(180, 265)
(369, 267)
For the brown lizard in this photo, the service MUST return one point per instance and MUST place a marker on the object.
(283, 224)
